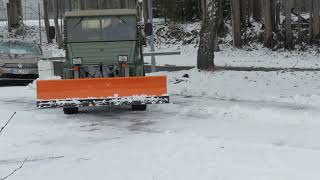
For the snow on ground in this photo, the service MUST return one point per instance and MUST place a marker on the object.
(250, 57)
(292, 87)
(221, 125)
(253, 55)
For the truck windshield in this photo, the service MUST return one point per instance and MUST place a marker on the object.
(101, 29)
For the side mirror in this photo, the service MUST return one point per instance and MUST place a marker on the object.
(148, 29)
(52, 32)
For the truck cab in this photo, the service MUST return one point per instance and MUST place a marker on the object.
(103, 43)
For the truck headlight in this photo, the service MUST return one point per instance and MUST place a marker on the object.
(77, 61)
(123, 58)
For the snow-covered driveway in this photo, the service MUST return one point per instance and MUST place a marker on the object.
(223, 125)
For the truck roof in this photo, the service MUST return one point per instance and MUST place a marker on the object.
(104, 12)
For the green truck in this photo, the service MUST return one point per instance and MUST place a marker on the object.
(99, 41)
(104, 63)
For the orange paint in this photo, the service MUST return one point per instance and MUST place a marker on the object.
(101, 88)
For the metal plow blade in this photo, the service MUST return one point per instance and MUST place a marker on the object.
(102, 92)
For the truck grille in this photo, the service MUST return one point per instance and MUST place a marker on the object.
(20, 65)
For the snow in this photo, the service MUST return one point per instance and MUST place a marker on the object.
(253, 55)
(220, 125)
(223, 125)
(292, 87)
(256, 56)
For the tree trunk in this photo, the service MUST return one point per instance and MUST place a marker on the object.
(311, 20)
(14, 11)
(204, 9)
(288, 25)
(266, 6)
(236, 23)
(257, 9)
(299, 9)
(244, 12)
(46, 19)
(273, 8)
(277, 14)
(145, 11)
(56, 23)
(220, 26)
(19, 9)
(205, 60)
(316, 19)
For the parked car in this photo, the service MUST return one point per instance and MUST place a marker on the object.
(19, 59)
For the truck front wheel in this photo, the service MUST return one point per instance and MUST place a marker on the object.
(139, 107)
(71, 110)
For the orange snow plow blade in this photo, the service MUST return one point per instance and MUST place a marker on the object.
(102, 91)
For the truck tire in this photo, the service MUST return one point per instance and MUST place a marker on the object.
(71, 110)
(139, 107)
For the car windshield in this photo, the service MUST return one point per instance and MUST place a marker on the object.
(19, 48)
(116, 28)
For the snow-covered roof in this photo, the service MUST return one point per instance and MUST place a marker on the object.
(105, 12)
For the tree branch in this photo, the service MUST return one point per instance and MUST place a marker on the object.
(15, 170)
(6, 124)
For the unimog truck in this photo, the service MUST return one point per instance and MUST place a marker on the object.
(104, 64)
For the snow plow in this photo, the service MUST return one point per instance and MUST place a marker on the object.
(102, 92)
(104, 64)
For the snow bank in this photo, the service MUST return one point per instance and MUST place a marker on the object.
(290, 87)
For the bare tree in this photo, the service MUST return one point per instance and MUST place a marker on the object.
(299, 8)
(288, 25)
(315, 19)
(257, 9)
(205, 60)
(46, 19)
(267, 17)
(14, 13)
(220, 26)
(56, 23)
(236, 23)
